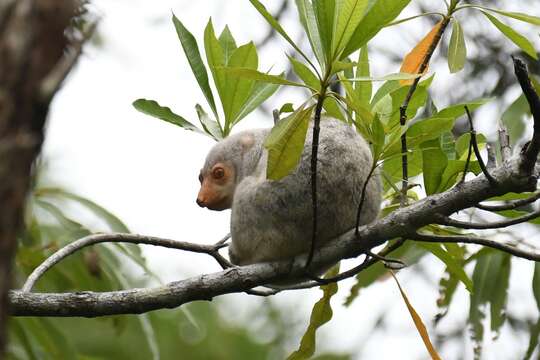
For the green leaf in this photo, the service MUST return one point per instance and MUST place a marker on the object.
(490, 277)
(349, 16)
(305, 74)
(518, 39)
(458, 110)
(189, 44)
(286, 108)
(363, 90)
(260, 93)
(536, 284)
(534, 332)
(448, 145)
(453, 169)
(215, 58)
(381, 13)
(238, 89)
(209, 125)
(514, 116)
(462, 145)
(309, 22)
(389, 77)
(228, 45)
(457, 51)
(320, 315)
(409, 253)
(325, 14)
(285, 143)
(378, 137)
(275, 25)
(152, 108)
(514, 15)
(259, 76)
(454, 266)
(434, 162)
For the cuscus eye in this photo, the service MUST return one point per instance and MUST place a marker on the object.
(200, 178)
(218, 173)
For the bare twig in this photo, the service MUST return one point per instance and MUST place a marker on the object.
(504, 143)
(510, 205)
(530, 153)
(492, 156)
(474, 144)
(442, 220)
(479, 241)
(314, 154)
(73, 247)
(405, 106)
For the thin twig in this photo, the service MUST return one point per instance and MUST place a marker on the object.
(314, 153)
(479, 241)
(492, 156)
(89, 240)
(474, 143)
(370, 260)
(510, 205)
(405, 106)
(467, 163)
(442, 220)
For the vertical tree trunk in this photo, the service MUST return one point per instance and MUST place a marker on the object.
(32, 43)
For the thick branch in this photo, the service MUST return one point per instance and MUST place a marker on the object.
(204, 287)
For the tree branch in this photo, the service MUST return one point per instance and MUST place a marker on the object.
(492, 225)
(530, 153)
(510, 205)
(533, 256)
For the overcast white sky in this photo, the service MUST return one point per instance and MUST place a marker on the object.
(145, 171)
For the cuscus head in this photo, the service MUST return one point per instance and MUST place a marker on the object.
(222, 171)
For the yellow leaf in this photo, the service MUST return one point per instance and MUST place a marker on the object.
(413, 61)
(418, 323)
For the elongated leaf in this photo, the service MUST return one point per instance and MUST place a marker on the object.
(514, 116)
(409, 253)
(536, 284)
(381, 13)
(490, 278)
(434, 162)
(260, 93)
(458, 110)
(454, 265)
(320, 315)
(535, 20)
(457, 52)
(152, 108)
(422, 331)
(189, 44)
(413, 60)
(309, 22)
(534, 338)
(363, 90)
(324, 12)
(215, 58)
(238, 89)
(228, 44)
(285, 144)
(305, 74)
(209, 125)
(389, 77)
(275, 24)
(348, 19)
(259, 76)
(521, 41)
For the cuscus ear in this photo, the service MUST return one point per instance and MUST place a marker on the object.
(247, 141)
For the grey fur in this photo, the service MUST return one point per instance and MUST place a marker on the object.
(272, 220)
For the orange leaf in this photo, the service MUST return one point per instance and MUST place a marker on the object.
(413, 61)
(418, 323)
